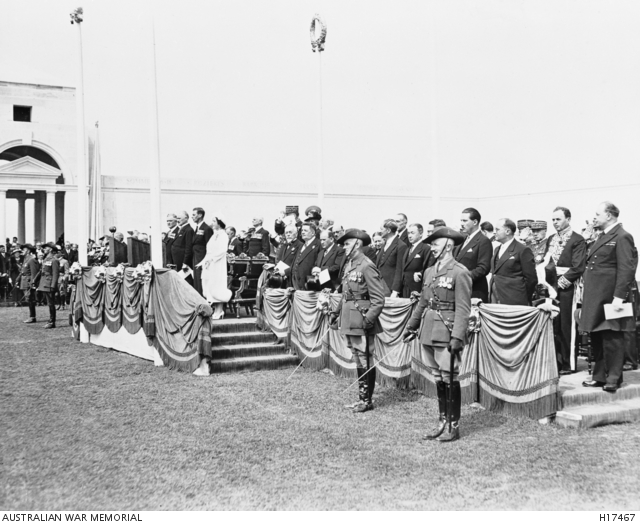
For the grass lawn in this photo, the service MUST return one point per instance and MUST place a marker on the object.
(82, 427)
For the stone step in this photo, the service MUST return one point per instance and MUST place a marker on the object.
(252, 364)
(237, 338)
(233, 325)
(247, 350)
(587, 416)
(573, 394)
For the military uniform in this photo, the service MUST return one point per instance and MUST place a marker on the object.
(441, 315)
(49, 284)
(358, 312)
(28, 281)
(257, 242)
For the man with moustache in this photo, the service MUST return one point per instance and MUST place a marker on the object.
(358, 311)
(182, 246)
(475, 253)
(29, 276)
(513, 270)
(256, 240)
(568, 252)
(201, 235)
(390, 258)
(172, 223)
(287, 252)
(49, 280)
(330, 258)
(416, 260)
(306, 257)
(608, 278)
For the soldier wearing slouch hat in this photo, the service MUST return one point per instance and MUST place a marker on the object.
(357, 314)
(440, 320)
(49, 280)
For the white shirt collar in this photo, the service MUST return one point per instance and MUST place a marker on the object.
(471, 236)
(389, 241)
(505, 246)
(609, 228)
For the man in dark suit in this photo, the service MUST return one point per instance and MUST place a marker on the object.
(330, 258)
(374, 248)
(608, 278)
(475, 253)
(306, 257)
(401, 221)
(235, 246)
(172, 223)
(256, 240)
(568, 252)
(287, 252)
(416, 260)
(182, 247)
(513, 271)
(390, 258)
(201, 235)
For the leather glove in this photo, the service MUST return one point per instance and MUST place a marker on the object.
(409, 336)
(333, 318)
(368, 324)
(456, 344)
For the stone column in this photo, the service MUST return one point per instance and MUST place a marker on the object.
(3, 216)
(59, 214)
(50, 225)
(21, 220)
(39, 217)
(30, 214)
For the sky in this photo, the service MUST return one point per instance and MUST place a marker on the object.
(487, 98)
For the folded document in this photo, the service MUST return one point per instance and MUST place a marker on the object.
(610, 313)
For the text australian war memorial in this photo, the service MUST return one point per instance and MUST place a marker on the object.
(381, 253)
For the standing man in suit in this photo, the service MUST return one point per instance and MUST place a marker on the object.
(390, 258)
(182, 247)
(49, 280)
(401, 221)
(287, 252)
(257, 239)
(235, 246)
(608, 278)
(568, 252)
(306, 257)
(374, 248)
(513, 270)
(201, 235)
(475, 253)
(29, 276)
(331, 258)
(172, 223)
(416, 260)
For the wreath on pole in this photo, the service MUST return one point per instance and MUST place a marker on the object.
(319, 34)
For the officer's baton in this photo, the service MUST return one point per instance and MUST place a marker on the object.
(369, 369)
(305, 357)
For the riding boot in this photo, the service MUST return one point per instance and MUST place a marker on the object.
(453, 412)
(361, 392)
(364, 404)
(371, 382)
(441, 388)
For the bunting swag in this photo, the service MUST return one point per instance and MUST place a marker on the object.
(91, 294)
(508, 365)
(274, 313)
(175, 319)
(113, 301)
(517, 371)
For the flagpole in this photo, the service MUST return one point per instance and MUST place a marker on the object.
(154, 176)
(318, 38)
(433, 132)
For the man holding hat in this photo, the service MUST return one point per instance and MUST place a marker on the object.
(442, 317)
(29, 278)
(358, 311)
(49, 280)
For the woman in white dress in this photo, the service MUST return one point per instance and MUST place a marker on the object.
(214, 269)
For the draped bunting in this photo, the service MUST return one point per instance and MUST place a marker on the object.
(509, 364)
(176, 320)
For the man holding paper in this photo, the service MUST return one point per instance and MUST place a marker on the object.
(328, 262)
(287, 252)
(608, 277)
(568, 251)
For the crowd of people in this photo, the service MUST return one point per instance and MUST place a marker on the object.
(510, 263)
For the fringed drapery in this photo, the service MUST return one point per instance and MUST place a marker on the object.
(91, 296)
(113, 301)
(132, 295)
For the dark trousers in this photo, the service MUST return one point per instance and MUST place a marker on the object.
(51, 301)
(562, 331)
(32, 303)
(197, 279)
(608, 353)
(631, 348)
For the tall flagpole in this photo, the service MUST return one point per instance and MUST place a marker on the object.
(433, 70)
(154, 176)
(82, 235)
(318, 37)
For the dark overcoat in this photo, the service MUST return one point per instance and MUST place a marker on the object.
(514, 277)
(476, 257)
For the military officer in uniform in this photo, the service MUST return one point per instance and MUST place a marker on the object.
(49, 280)
(442, 317)
(172, 223)
(29, 278)
(357, 314)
